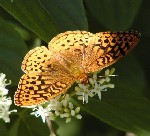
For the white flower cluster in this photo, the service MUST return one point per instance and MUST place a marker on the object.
(95, 87)
(5, 101)
(58, 108)
(62, 107)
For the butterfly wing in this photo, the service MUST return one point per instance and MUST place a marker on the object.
(109, 47)
(36, 88)
(69, 49)
(45, 78)
(40, 59)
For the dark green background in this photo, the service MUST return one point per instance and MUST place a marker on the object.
(126, 108)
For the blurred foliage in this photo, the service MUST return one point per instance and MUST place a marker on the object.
(125, 108)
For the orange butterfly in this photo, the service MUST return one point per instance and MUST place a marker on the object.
(70, 56)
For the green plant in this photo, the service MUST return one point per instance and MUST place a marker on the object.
(27, 24)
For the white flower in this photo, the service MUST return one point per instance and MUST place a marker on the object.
(57, 107)
(3, 91)
(4, 109)
(95, 87)
(3, 83)
(40, 111)
(62, 107)
(5, 102)
(82, 92)
(2, 79)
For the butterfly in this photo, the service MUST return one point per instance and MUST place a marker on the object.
(70, 56)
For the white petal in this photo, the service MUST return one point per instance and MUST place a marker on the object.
(70, 105)
(2, 77)
(3, 90)
(68, 120)
(72, 113)
(78, 116)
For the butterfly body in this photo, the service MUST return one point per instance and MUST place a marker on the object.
(70, 56)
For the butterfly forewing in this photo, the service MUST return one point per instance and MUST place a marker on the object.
(36, 59)
(69, 48)
(112, 47)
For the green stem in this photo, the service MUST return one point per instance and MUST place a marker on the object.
(72, 93)
(63, 96)
(50, 126)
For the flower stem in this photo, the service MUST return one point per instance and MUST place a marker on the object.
(50, 126)
(72, 93)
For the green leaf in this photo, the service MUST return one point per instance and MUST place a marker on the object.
(47, 18)
(32, 15)
(28, 125)
(12, 51)
(14, 127)
(68, 129)
(114, 15)
(3, 129)
(124, 107)
(143, 20)
(69, 15)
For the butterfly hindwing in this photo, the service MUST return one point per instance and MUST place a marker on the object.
(35, 88)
